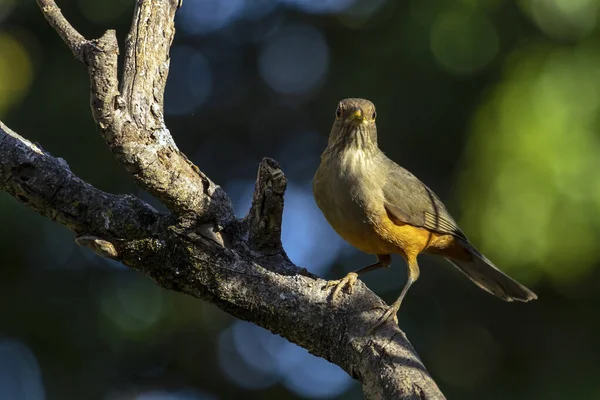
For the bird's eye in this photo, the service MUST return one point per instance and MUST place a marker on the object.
(374, 115)
(338, 113)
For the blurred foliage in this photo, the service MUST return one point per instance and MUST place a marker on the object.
(492, 103)
(530, 193)
(15, 71)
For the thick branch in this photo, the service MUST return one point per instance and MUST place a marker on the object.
(266, 289)
(279, 296)
(47, 185)
(132, 123)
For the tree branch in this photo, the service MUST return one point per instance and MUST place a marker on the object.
(200, 249)
(72, 38)
(46, 184)
(264, 218)
(132, 122)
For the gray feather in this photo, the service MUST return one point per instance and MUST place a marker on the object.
(410, 201)
(488, 277)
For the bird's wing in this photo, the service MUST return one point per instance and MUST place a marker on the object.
(409, 201)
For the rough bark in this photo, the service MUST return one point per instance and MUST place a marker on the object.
(199, 247)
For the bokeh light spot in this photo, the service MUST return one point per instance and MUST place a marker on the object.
(183, 394)
(272, 359)
(133, 303)
(532, 152)
(258, 347)
(205, 16)
(307, 238)
(15, 71)
(315, 377)
(563, 19)
(464, 42)
(20, 377)
(240, 372)
(294, 60)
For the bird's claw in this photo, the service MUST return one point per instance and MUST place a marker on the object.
(390, 312)
(347, 281)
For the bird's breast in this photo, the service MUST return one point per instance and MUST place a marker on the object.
(349, 193)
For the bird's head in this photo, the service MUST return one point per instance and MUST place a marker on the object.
(354, 125)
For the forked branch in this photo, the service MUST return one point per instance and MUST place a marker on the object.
(199, 247)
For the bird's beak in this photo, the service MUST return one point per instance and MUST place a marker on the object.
(356, 117)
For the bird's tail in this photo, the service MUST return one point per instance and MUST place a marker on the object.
(487, 276)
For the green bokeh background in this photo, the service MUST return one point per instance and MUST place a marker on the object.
(492, 103)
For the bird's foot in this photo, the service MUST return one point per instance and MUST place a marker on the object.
(347, 281)
(390, 312)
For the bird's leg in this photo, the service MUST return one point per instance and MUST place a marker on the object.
(383, 261)
(392, 311)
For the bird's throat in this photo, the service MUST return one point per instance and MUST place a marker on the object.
(355, 159)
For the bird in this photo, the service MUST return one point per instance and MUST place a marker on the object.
(382, 209)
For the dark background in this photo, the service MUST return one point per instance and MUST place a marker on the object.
(492, 104)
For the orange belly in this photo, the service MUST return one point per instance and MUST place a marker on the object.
(410, 241)
(368, 240)
(384, 236)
